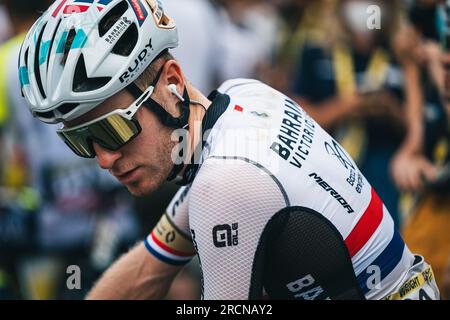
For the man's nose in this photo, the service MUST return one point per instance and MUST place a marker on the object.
(106, 158)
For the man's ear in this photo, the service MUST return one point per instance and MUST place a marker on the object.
(172, 74)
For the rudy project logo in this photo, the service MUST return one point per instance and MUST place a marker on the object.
(139, 10)
(138, 62)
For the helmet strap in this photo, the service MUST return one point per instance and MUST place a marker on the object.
(165, 117)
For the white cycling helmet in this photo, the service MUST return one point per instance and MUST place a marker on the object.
(81, 52)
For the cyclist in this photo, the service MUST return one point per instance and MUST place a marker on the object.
(272, 205)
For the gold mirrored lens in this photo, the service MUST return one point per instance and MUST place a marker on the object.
(78, 144)
(111, 133)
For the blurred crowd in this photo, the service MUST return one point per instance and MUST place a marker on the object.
(375, 74)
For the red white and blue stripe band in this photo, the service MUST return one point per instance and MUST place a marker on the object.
(165, 253)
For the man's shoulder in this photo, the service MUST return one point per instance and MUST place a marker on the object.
(222, 177)
(234, 85)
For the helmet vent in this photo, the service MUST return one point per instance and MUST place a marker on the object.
(51, 43)
(26, 57)
(68, 45)
(67, 107)
(127, 42)
(111, 18)
(45, 115)
(81, 83)
(36, 63)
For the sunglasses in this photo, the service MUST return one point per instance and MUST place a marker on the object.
(111, 131)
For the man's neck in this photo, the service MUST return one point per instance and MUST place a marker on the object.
(196, 115)
(197, 96)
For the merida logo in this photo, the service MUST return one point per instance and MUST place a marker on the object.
(332, 192)
(137, 62)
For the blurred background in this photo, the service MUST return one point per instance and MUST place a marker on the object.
(376, 78)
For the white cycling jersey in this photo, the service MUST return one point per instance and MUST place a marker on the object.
(262, 155)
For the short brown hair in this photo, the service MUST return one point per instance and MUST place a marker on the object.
(150, 73)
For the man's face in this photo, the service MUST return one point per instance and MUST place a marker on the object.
(144, 163)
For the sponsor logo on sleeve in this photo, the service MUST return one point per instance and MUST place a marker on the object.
(306, 288)
(169, 237)
(225, 235)
(296, 135)
(332, 192)
(355, 178)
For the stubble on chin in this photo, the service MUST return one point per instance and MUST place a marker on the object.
(146, 185)
(154, 177)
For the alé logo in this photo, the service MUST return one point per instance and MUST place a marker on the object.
(225, 235)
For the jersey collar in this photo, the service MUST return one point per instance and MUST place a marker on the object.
(219, 105)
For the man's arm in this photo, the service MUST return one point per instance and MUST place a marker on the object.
(147, 270)
(231, 202)
(136, 275)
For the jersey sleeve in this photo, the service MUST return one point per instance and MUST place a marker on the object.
(170, 240)
(235, 86)
(231, 202)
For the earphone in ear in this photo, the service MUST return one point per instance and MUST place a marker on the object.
(173, 89)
